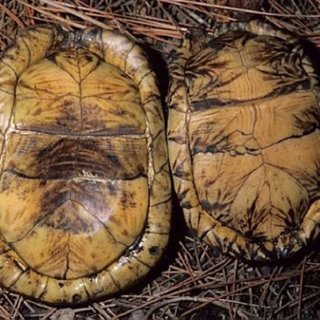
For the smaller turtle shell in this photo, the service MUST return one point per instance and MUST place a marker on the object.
(244, 140)
(84, 186)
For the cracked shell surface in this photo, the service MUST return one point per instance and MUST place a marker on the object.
(244, 140)
(84, 188)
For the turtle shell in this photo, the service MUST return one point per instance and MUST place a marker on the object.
(85, 187)
(244, 140)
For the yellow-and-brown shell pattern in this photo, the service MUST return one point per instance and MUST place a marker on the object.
(85, 185)
(244, 140)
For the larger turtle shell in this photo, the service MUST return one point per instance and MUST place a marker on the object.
(244, 140)
(84, 186)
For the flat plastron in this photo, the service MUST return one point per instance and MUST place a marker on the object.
(244, 140)
(84, 186)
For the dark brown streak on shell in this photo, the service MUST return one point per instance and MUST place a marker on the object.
(55, 198)
(67, 158)
(225, 39)
(68, 221)
(309, 120)
(254, 152)
(216, 103)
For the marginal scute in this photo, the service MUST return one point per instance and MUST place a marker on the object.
(18, 56)
(29, 47)
(176, 127)
(159, 226)
(116, 43)
(13, 268)
(161, 186)
(7, 79)
(161, 159)
(151, 107)
(39, 40)
(98, 283)
(7, 89)
(85, 194)
(124, 270)
(136, 67)
(243, 133)
(29, 280)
